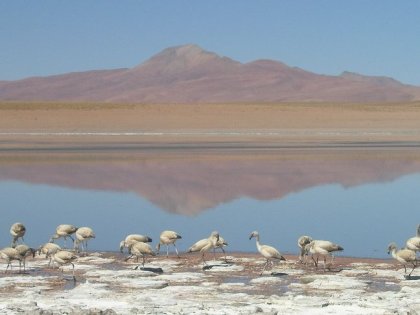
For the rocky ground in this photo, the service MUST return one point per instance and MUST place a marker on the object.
(106, 284)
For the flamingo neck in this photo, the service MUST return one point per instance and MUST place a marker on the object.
(257, 241)
(213, 241)
(394, 252)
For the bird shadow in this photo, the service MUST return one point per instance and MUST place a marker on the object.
(334, 270)
(208, 267)
(412, 277)
(151, 269)
(278, 274)
(71, 283)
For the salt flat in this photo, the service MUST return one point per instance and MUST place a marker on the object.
(107, 285)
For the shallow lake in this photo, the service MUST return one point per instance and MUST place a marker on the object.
(359, 197)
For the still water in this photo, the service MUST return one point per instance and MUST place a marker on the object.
(360, 198)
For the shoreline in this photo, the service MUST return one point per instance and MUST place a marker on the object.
(264, 122)
(106, 284)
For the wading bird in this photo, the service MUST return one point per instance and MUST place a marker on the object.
(48, 249)
(64, 231)
(64, 257)
(322, 248)
(9, 254)
(167, 238)
(302, 242)
(25, 251)
(205, 245)
(413, 243)
(133, 238)
(140, 249)
(404, 256)
(220, 244)
(83, 234)
(17, 230)
(269, 252)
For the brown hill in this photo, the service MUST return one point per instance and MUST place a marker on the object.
(189, 74)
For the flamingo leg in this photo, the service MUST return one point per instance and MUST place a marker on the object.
(414, 267)
(224, 253)
(202, 257)
(315, 261)
(265, 266)
(301, 255)
(176, 250)
(74, 278)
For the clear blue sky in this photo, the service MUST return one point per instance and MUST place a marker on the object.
(377, 37)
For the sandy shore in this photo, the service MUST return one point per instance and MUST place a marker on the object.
(105, 284)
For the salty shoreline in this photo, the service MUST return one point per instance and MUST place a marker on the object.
(108, 285)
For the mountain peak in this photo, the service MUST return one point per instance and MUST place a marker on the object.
(185, 58)
(186, 50)
(187, 54)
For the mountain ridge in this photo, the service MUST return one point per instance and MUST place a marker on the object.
(188, 74)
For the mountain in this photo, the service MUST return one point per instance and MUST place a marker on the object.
(190, 74)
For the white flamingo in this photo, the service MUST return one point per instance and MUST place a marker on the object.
(83, 234)
(140, 249)
(64, 231)
(25, 251)
(404, 256)
(413, 243)
(48, 249)
(64, 257)
(269, 252)
(9, 254)
(167, 238)
(17, 230)
(322, 248)
(302, 242)
(133, 238)
(205, 245)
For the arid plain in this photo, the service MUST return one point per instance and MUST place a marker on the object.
(273, 122)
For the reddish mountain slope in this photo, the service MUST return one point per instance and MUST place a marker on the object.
(190, 74)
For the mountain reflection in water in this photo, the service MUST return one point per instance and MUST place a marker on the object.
(350, 196)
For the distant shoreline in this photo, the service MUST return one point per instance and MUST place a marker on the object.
(265, 122)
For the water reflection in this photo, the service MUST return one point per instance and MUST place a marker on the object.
(362, 199)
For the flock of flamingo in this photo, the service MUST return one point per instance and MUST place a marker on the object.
(137, 246)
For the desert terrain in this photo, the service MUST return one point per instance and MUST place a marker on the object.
(34, 123)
